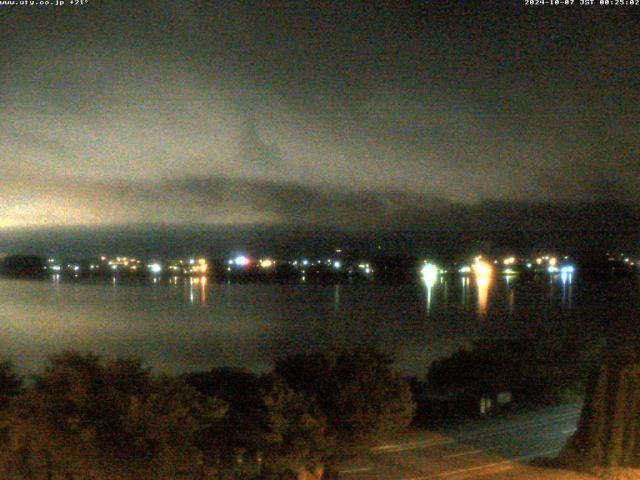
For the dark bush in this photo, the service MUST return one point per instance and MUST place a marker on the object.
(268, 429)
(359, 392)
(10, 383)
(86, 419)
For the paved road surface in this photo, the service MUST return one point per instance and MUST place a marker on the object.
(494, 448)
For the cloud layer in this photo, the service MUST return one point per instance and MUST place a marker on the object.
(225, 114)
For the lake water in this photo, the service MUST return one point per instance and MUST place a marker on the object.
(192, 325)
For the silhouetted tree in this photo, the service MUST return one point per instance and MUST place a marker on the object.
(360, 393)
(268, 427)
(608, 432)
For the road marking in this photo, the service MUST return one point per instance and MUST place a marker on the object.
(354, 470)
(410, 446)
(504, 463)
(475, 472)
(462, 454)
(571, 430)
(492, 471)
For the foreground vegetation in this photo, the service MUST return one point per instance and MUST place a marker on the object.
(84, 418)
(88, 419)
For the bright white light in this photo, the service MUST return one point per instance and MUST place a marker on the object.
(552, 269)
(509, 261)
(509, 271)
(305, 262)
(429, 274)
(56, 268)
(76, 268)
(567, 269)
(155, 268)
(337, 264)
(465, 269)
(241, 261)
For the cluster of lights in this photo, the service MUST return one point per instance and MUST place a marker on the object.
(329, 262)
(509, 261)
(266, 263)
(199, 267)
(123, 263)
(366, 268)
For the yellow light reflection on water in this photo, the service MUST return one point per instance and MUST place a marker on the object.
(203, 290)
(483, 272)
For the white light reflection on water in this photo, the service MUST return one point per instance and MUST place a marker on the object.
(429, 279)
(429, 274)
(445, 292)
(567, 286)
(464, 297)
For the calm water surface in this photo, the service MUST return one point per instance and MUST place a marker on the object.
(190, 324)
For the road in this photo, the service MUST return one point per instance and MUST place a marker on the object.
(496, 448)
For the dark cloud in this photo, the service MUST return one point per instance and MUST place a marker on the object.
(349, 116)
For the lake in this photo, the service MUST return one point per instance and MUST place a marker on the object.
(189, 324)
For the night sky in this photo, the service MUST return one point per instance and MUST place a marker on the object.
(427, 115)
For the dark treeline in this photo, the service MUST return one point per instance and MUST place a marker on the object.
(28, 266)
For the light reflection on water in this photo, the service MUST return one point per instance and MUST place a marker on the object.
(184, 324)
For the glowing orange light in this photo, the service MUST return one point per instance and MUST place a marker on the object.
(483, 272)
(266, 263)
